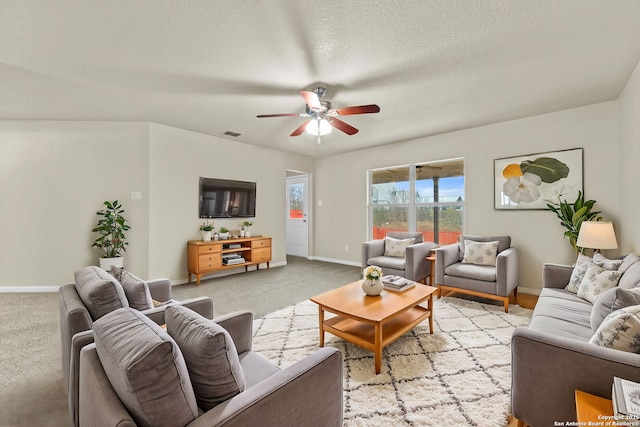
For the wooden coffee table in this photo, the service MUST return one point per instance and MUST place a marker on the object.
(373, 322)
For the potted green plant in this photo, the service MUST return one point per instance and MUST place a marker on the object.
(111, 238)
(572, 215)
(223, 233)
(247, 224)
(206, 230)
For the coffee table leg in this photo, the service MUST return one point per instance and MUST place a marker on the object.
(431, 313)
(321, 317)
(378, 347)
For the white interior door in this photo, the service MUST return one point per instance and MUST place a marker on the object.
(297, 224)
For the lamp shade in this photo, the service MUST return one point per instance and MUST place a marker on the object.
(597, 235)
(318, 127)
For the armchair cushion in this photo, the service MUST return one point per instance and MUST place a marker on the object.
(480, 253)
(504, 242)
(100, 292)
(210, 355)
(145, 368)
(396, 247)
(388, 262)
(620, 330)
(135, 289)
(485, 273)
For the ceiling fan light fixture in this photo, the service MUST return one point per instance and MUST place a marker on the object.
(318, 127)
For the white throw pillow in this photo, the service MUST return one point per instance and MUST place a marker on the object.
(620, 330)
(596, 281)
(609, 264)
(396, 247)
(480, 253)
(580, 267)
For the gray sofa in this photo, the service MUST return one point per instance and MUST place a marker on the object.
(488, 281)
(413, 264)
(200, 373)
(95, 293)
(552, 357)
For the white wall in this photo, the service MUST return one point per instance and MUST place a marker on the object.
(628, 231)
(177, 159)
(342, 218)
(54, 176)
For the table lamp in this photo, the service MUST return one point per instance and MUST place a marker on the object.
(597, 235)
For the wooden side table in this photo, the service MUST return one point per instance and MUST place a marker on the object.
(590, 408)
(432, 258)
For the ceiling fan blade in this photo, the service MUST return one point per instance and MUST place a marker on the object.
(300, 128)
(312, 100)
(340, 125)
(281, 115)
(361, 109)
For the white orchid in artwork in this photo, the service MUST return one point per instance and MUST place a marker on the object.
(523, 188)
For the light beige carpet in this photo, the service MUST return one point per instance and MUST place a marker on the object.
(460, 375)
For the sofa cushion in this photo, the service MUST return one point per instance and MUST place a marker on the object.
(504, 242)
(583, 262)
(630, 277)
(610, 301)
(597, 280)
(480, 253)
(562, 313)
(210, 355)
(135, 289)
(145, 368)
(620, 330)
(100, 292)
(628, 261)
(396, 247)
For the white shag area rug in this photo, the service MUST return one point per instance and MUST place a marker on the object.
(458, 376)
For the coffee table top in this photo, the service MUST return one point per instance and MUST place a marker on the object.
(352, 301)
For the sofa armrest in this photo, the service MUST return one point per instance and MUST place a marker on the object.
(100, 403)
(160, 289)
(370, 249)
(307, 393)
(201, 305)
(547, 369)
(556, 275)
(507, 271)
(78, 342)
(240, 326)
(416, 265)
(445, 256)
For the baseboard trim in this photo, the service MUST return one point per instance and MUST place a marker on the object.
(335, 261)
(28, 289)
(529, 291)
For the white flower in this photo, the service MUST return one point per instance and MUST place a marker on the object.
(523, 188)
(372, 272)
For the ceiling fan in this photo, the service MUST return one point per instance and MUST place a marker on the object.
(322, 117)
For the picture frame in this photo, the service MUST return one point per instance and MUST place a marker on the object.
(531, 181)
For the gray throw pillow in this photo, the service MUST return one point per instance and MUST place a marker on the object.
(100, 292)
(610, 301)
(136, 289)
(145, 368)
(620, 330)
(210, 354)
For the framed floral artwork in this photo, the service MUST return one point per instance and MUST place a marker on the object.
(533, 180)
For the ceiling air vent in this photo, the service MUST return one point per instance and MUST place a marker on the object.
(231, 133)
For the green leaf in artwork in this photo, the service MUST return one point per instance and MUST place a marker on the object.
(547, 168)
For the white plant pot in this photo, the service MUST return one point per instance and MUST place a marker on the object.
(224, 236)
(247, 233)
(206, 235)
(106, 263)
(372, 287)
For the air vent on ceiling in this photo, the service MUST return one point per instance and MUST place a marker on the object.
(231, 133)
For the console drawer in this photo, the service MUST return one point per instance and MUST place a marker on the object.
(261, 255)
(209, 262)
(262, 243)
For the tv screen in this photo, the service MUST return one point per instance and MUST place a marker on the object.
(225, 198)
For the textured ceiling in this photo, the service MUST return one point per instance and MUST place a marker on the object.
(212, 66)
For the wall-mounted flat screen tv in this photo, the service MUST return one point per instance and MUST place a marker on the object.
(225, 198)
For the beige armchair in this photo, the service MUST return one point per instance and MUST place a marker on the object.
(407, 258)
(95, 293)
(473, 276)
